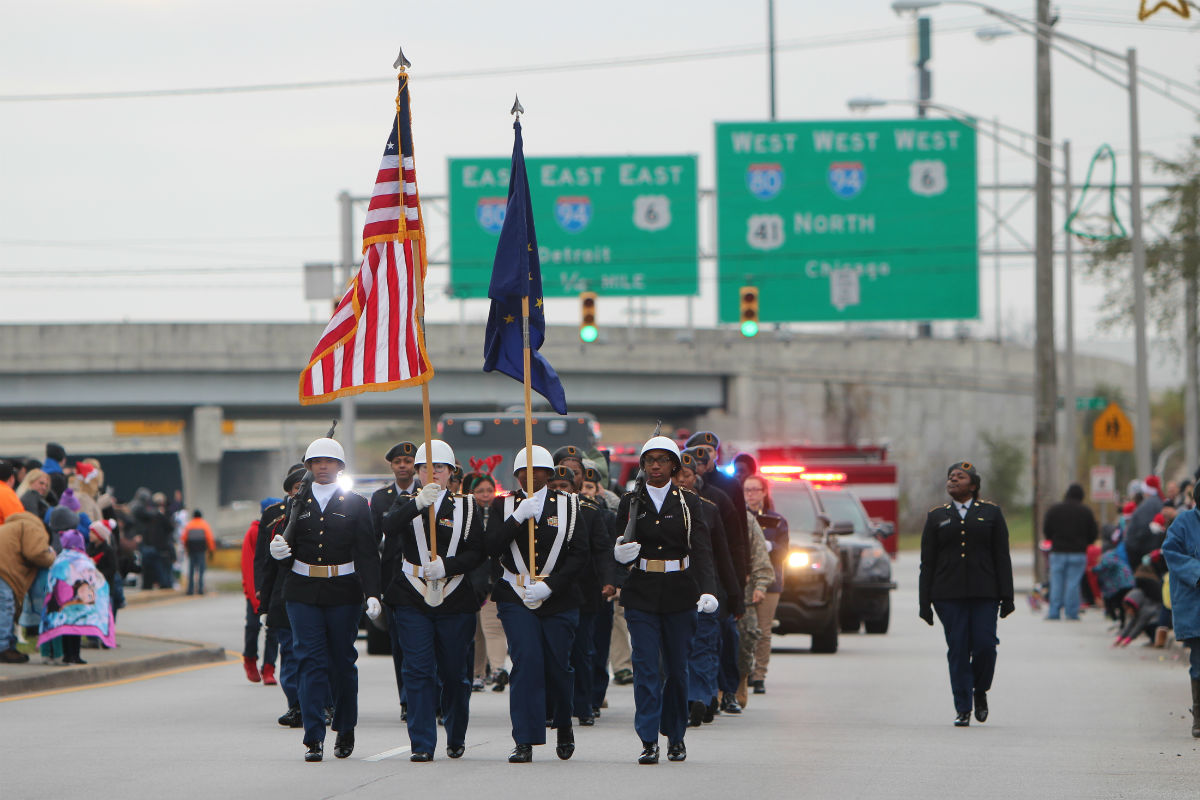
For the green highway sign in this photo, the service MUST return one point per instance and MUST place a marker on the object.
(616, 225)
(1091, 403)
(848, 220)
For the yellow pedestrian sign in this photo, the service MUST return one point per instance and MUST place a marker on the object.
(1112, 430)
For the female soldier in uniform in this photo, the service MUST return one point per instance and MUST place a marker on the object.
(966, 576)
(671, 578)
(433, 606)
(335, 561)
(538, 601)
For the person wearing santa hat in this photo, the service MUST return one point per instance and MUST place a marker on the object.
(1139, 539)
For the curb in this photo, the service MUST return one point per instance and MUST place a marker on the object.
(188, 653)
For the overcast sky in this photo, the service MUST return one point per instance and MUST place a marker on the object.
(204, 207)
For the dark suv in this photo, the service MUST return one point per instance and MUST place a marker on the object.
(866, 566)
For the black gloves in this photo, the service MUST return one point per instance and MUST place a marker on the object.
(927, 614)
(1006, 608)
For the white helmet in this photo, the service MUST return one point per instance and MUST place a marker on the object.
(442, 454)
(541, 458)
(661, 443)
(324, 448)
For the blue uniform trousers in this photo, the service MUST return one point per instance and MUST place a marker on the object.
(435, 667)
(323, 641)
(583, 652)
(540, 649)
(702, 663)
(601, 642)
(970, 627)
(660, 644)
(288, 678)
(398, 661)
(727, 674)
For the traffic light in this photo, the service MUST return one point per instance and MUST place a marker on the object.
(749, 315)
(587, 317)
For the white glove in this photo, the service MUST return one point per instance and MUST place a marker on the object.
(626, 553)
(529, 509)
(427, 496)
(536, 592)
(280, 549)
(707, 604)
(373, 608)
(435, 569)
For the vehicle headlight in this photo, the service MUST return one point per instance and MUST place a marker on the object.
(797, 559)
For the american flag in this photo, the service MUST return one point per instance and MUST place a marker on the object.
(373, 343)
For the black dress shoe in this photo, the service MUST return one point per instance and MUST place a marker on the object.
(676, 751)
(649, 753)
(343, 746)
(587, 722)
(981, 709)
(501, 681)
(455, 750)
(328, 717)
(729, 705)
(711, 711)
(760, 687)
(521, 754)
(420, 757)
(596, 712)
(962, 720)
(696, 711)
(404, 712)
(316, 751)
(292, 719)
(566, 743)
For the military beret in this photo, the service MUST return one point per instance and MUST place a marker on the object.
(687, 460)
(562, 473)
(591, 474)
(403, 449)
(567, 451)
(706, 438)
(965, 466)
(697, 456)
(293, 477)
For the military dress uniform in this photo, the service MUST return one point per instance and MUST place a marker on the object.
(382, 501)
(436, 641)
(705, 654)
(269, 581)
(334, 565)
(966, 576)
(596, 574)
(539, 639)
(674, 567)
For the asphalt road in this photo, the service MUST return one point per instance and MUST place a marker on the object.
(1070, 717)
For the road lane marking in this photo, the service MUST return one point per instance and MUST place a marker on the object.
(395, 751)
(121, 682)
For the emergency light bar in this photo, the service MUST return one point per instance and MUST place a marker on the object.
(787, 472)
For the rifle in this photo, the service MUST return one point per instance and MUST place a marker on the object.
(639, 485)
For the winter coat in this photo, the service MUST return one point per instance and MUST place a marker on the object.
(24, 548)
(9, 502)
(1070, 526)
(248, 545)
(1182, 553)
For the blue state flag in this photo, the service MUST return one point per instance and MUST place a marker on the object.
(517, 273)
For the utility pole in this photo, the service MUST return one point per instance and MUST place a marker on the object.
(771, 55)
(1045, 434)
(1141, 421)
(349, 409)
(924, 44)
(1070, 432)
(1191, 295)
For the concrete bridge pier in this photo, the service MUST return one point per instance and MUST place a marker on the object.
(200, 459)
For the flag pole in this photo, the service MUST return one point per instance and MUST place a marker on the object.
(517, 110)
(402, 64)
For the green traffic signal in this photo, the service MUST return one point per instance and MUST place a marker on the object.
(749, 328)
(588, 333)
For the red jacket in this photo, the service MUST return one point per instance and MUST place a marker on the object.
(248, 547)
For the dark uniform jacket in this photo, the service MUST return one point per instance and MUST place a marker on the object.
(382, 502)
(964, 559)
(733, 522)
(269, 577)
(572, 557)
(663, 535)
(730, 593)
(601, 565)
(399, 529)
(338, 534)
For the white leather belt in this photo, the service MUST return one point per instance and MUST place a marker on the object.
(322, 570)
(409, 568)
(515, 580)
(655, 565)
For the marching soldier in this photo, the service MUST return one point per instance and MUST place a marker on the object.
(433, 606)
(538, 601)
(602, 635)
(595, 578)
(400, 458)
(334, 559)
(966, 577)
(666, 543)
